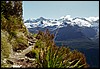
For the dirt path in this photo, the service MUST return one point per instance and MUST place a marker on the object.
(27, 50)
(16, 57)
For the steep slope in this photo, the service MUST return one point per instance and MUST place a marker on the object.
(70, 32)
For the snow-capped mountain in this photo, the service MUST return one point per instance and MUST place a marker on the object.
(63, 21)
(87, 27)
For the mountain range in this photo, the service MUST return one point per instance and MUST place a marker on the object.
(77, 33)
(66, 28)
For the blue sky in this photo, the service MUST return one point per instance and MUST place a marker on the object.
(57, 9)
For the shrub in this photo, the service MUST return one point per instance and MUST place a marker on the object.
(34, 35)
(19, 43)
(49, 55)
(5, 44)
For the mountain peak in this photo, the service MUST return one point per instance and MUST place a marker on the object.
(63, 21)
(41, 17)
(91, 19)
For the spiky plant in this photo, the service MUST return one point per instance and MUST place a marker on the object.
(49, 55)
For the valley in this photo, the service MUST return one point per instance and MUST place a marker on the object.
(88, 48)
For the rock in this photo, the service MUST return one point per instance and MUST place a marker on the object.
(4, 61)
(18, 51)
(16, 66)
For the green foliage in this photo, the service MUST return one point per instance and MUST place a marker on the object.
(49, 55)
(18, 8)
(12, 24)
(34, 35)
(11, 21)
(12, 35)
(5, 45)
(11, 8)
(19, 43)
(22, 40)
(13, 32)
(11, 16)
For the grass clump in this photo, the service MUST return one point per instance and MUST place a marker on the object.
(19, 43)
(6, 48)
(49, 55)
(5, 45)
